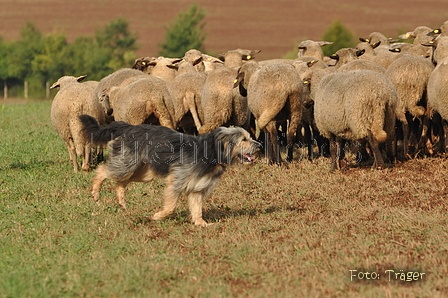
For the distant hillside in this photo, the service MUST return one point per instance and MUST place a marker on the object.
(274, 27)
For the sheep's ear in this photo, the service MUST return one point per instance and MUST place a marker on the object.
(311, 63)
(197, 61)
(364, 39)
(431, 43)
(238, 79)
(407, 35)
(396, 50)
(376, 44)
(254, 52)
(175, 61)
(392, 40)
(360, 52)
(173, 66)
(55, 85)
(301, 47)
(434, 32)
(324, 43)
(334, 56)
(80, 78)
(222, 57)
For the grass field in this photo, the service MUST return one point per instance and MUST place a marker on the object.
(277, 232)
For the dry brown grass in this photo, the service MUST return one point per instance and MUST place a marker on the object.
(278, 232)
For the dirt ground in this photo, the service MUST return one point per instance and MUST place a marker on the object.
(274, 27)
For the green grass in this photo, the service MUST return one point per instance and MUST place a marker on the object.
(278, 232)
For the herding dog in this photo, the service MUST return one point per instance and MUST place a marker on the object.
(190, 164)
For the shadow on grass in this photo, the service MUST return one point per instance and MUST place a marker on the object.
(19, 165)
(219, 214)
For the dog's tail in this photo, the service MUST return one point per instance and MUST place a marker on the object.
(100, 135)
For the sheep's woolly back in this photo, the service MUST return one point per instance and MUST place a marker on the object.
(438, 90)
(349, 104)
(186, 93)
(136, 102)
(410, 74)
(270, 88)
(220, 101)
(441, 51)
(72, 100)
(116, 78)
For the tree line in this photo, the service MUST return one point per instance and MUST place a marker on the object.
(28, 65)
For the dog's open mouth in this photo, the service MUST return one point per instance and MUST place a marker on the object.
(247, 158)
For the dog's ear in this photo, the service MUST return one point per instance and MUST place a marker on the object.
(224, 143)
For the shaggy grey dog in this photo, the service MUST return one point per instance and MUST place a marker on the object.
(190, 164)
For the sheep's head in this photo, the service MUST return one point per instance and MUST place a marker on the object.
(104, 100)
(66, 80)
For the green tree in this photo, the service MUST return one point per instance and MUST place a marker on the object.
(87, 58)
(119, 42)
(184, 33)
(341, 37)
(48, 64)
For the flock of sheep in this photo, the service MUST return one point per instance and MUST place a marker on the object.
(376, 95)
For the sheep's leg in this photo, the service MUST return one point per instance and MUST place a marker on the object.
(272, 144)
(86, 160)
(334, 153)
(405, 140)
(189, 98)
(374, 145)
(290, 135)
(337, 153)
(195, 200)
(309, 139)
(425, 143)
(101, 175)
(171, 195)
(445, 135)
(72, 152)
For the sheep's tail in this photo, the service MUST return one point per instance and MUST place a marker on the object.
(378, 127)
(101, 135)
(380, 135)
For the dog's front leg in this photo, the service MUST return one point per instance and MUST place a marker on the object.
(195, 200)
(101, 175)
(170, 200)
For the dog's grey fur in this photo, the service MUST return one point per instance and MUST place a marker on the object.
(190, 164)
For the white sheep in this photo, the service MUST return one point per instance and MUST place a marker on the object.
(420, 36)
(437, 88)
(221, 103)
(114, 79)
(144, 100)
(356, 105)
(274, 95)
(74, 99)
(410, 74)
(186, 93)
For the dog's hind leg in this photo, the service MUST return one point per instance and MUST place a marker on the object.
(101, 175)
(170, 199)
(120, 189)
(195, 200)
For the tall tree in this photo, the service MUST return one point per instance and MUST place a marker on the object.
(341, 37)
(184, 33)
(119, 41)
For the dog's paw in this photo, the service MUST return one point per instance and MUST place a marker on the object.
(202, 223)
